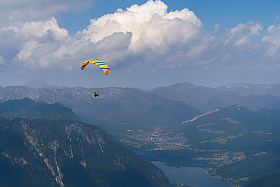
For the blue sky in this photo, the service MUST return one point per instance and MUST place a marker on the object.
(146, 43)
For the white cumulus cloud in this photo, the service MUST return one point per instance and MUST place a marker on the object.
(145, 32)
(139, 36)
(217, 27)
(272, 40)
(152, 27)
(242, 33)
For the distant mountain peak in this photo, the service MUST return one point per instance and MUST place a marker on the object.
(27, 108)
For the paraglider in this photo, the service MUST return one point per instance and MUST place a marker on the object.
(100, 64)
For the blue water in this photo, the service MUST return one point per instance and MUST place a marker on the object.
(190, 175)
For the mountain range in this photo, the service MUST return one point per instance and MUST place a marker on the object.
(117, 109)
(252, 96)
(231, 135)
(251, 89)
(203, 98)
(40, 147)
(42, 84)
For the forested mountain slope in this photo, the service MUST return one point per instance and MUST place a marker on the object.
(49, 152)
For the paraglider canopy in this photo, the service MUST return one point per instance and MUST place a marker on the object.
(99, 63)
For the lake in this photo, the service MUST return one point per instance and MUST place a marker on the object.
(190, 175)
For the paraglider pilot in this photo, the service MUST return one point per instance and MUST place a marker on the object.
(95, 94)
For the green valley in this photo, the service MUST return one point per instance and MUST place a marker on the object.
(232, 143)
